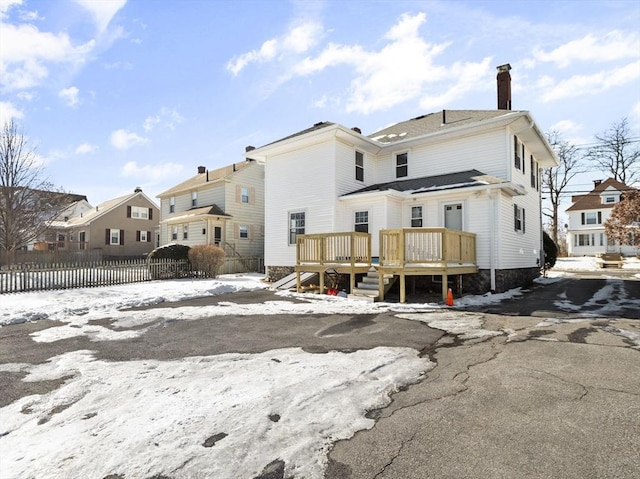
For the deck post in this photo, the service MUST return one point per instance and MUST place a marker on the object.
(321, 274)
(352, 281)
(380, 285)
(445, 285)
(403, 292)
(298, 281)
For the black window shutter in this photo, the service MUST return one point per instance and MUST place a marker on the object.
(523, 158)
(121, 237)
(148, 235)
(515, 217)
(128, 211)
(137, 235)
(582, 217)
(599, 217)
(523, 220)
(107, 236)
(150, 213)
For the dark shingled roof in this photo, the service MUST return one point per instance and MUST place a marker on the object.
(461, 179)
(434, 122)
(592, 200)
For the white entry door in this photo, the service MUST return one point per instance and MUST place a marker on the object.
(453, 216)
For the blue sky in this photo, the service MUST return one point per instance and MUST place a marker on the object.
(118, 94)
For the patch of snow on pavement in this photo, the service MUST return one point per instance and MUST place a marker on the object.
(145, 418)
(464, 325)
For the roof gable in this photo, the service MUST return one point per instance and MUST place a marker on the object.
(206, 178)
(593, 201)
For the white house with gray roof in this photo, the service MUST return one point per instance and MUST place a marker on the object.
(471, 170)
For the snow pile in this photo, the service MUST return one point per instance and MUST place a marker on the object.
(223, 416)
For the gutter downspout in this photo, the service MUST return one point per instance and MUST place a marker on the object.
(492, 236)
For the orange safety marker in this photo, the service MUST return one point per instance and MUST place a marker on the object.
(449, 298)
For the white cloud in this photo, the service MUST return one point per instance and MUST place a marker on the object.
(26, 95)
(123, 139)
(401, 70)
(154, 173)
(579, 85)
(5, 5)
(85, 148)
(102, 11)
(298, 39)
(567, 127)
(590, 48)
(8, 111)
(25, 63)
(166, 118)
(70, 96)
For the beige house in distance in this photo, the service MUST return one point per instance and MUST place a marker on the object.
(124, 227)
(222, 207)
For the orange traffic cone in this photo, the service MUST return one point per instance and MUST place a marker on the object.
(449, 298)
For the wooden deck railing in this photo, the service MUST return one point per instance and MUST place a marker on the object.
(426, 246)
(333, 249)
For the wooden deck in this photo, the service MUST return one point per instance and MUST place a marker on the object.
(403, 252)
(344, 253)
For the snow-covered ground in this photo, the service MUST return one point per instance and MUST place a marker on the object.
(224, 416)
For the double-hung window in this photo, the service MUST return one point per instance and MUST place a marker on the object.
(194, 199)
(359, 166)
(174, 233)
(114, 237)
(296, 225)
(518, 219)
(402, 165)
(185, 231)
(172, 204)
(416, 216)
(139, 212)
(244, 195)
(591, 218)
(244, 231)
(362, 221)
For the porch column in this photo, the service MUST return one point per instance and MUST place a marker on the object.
(403, 293)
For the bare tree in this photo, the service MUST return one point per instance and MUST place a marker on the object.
(623, 225)
(556, 179)
(617, 153)
(28, 203)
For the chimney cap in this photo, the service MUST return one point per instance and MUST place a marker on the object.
(503, 68)
(357, 129)
(201, 169)
(137, 190)
(597, 182)
(249, 148)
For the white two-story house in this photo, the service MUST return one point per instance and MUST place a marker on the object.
(587, 216)
(223, 207)
(474, 171)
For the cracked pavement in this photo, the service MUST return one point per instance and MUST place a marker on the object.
(554, 393)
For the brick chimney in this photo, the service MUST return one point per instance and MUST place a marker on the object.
(504, 87)
(201, 169)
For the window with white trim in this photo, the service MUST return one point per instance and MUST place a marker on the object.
(194, 199)
(361, 224)
(609, 199)
(244, 231)
(114, 236)
(143, 236)
(518, 219)
(185, 232)
(140, 213)
(591, 218)
(244, 195)
(174, 233)
(402, 165)
(296, 225)
(172, 204)
(584, 240)
(416, 216)
(359, 166)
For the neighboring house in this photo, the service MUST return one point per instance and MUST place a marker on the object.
(55, 236)
(587, 216)
(223, 207)
(123, 227)
(472, 170)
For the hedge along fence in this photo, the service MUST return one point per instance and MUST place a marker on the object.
(41, 277)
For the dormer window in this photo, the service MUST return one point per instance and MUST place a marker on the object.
(609, 199)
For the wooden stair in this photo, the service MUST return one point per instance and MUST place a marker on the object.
(367, 289)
